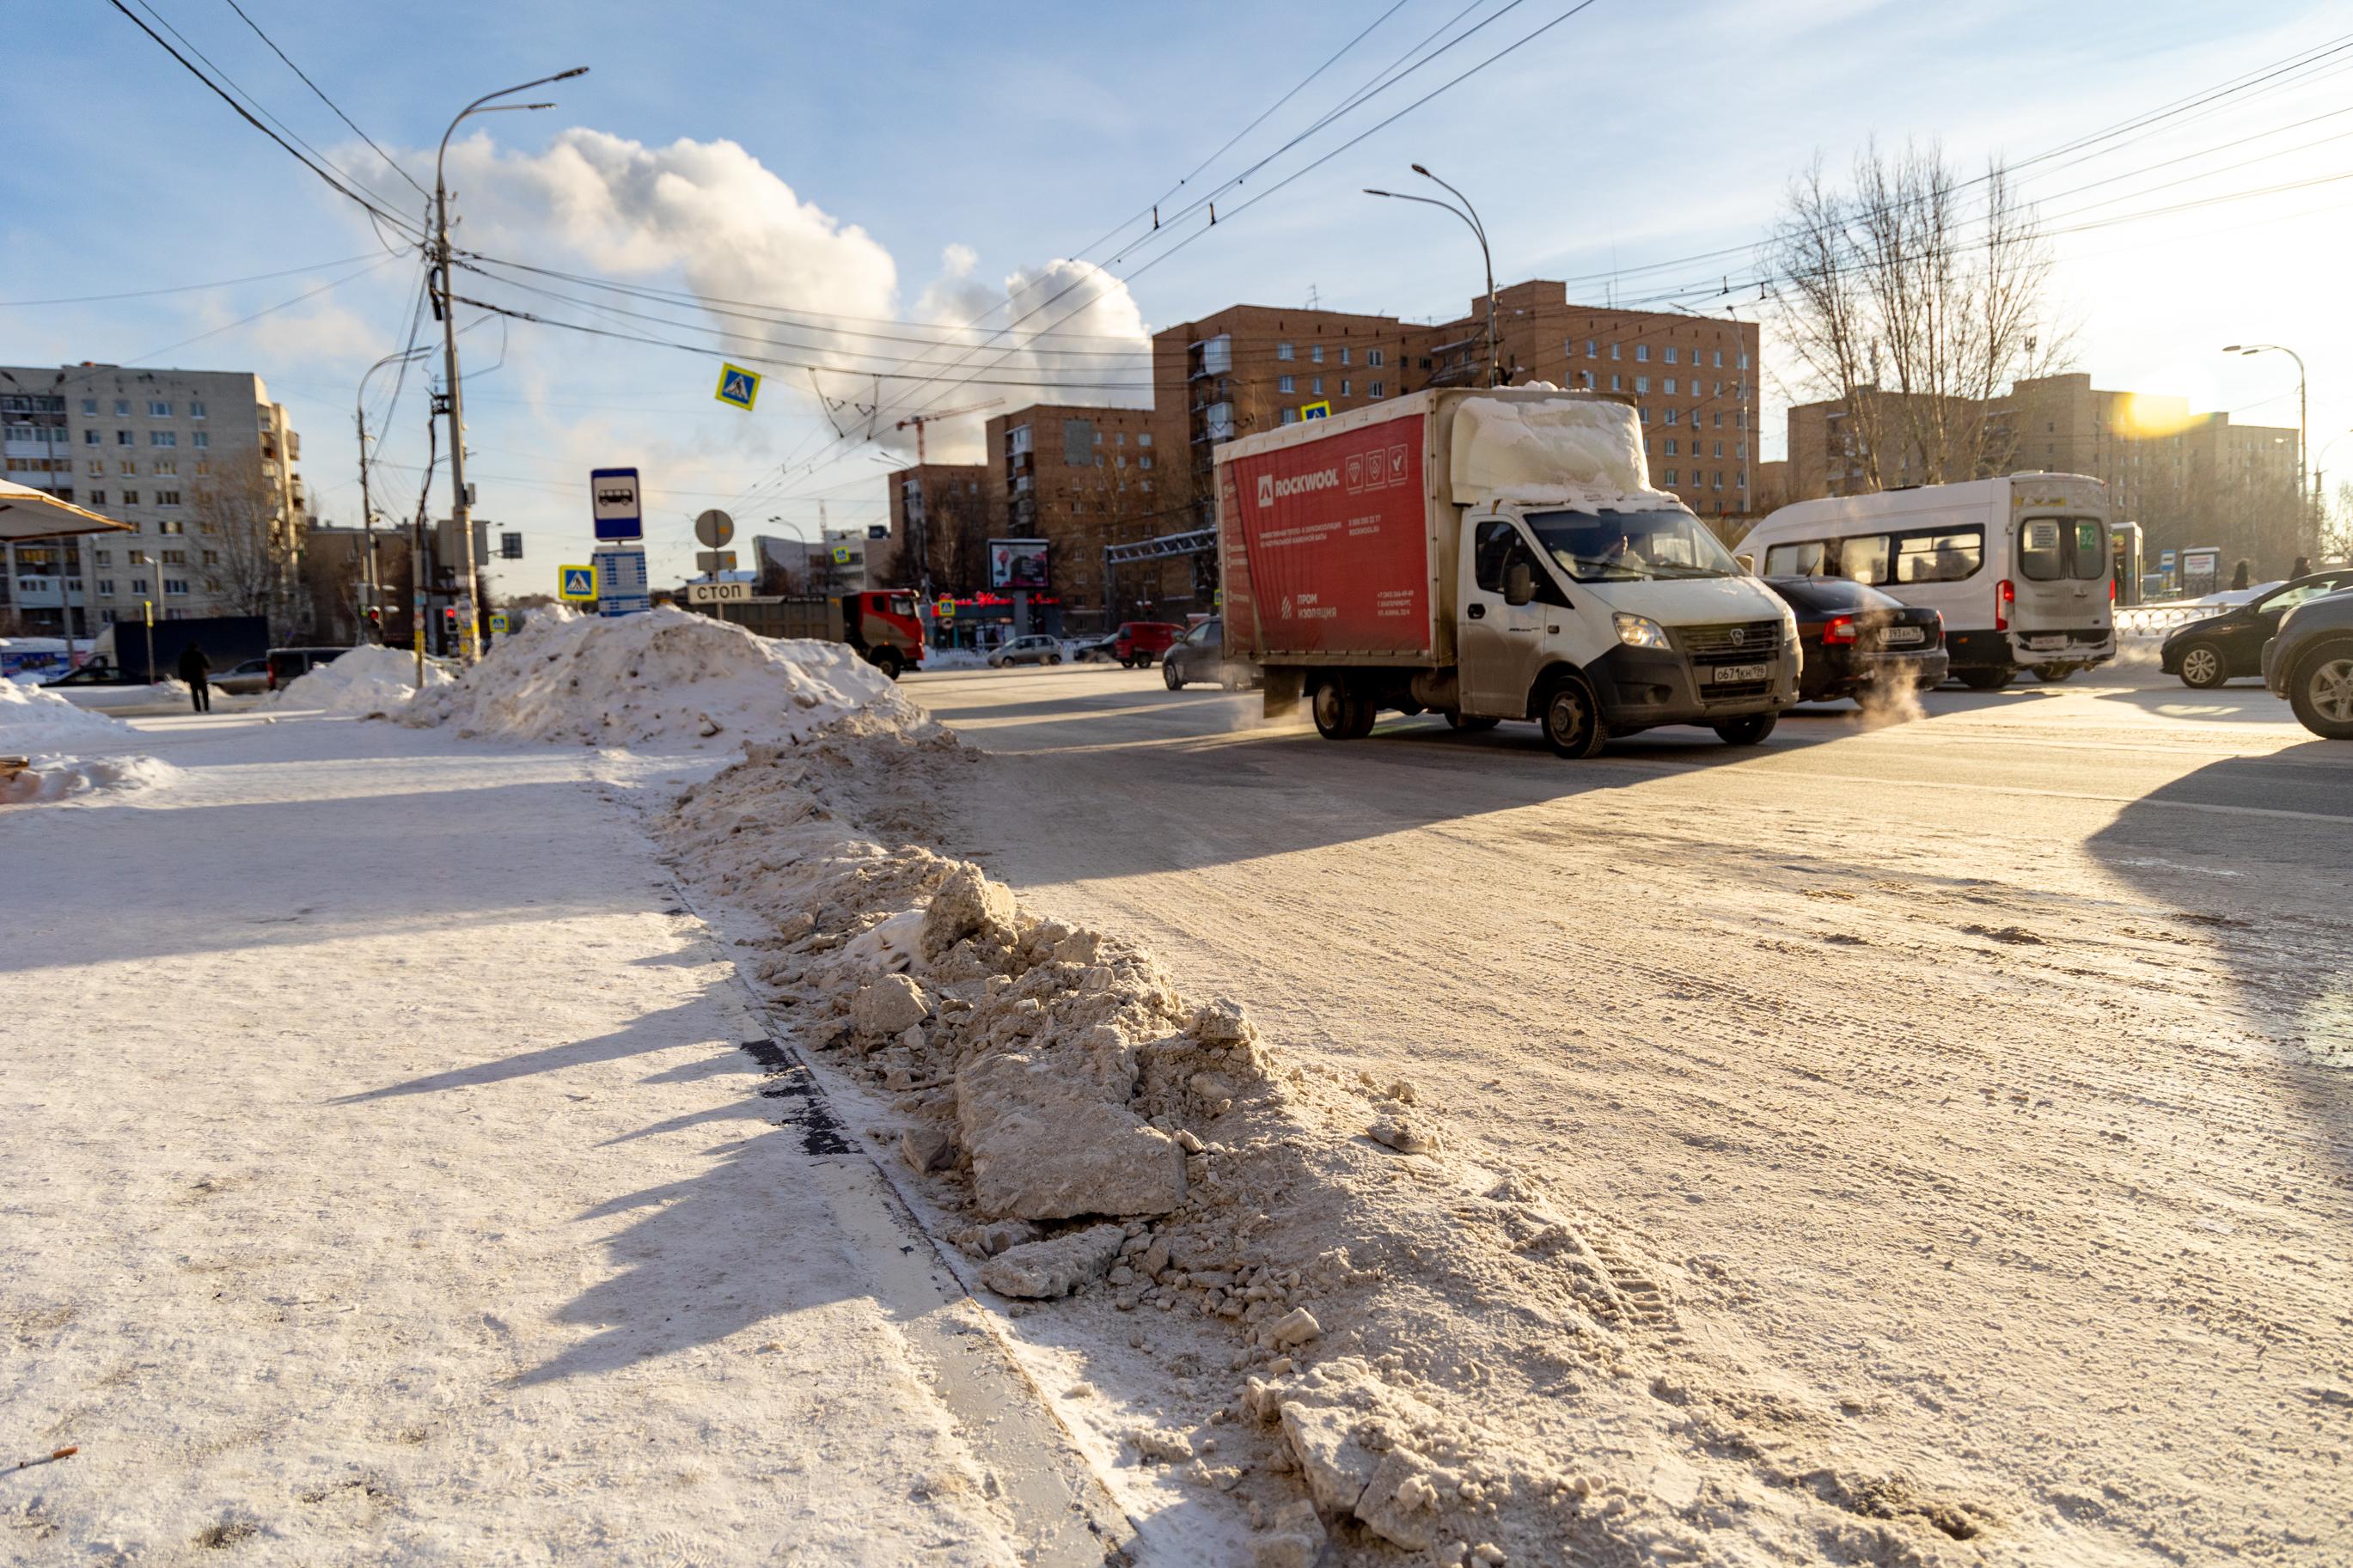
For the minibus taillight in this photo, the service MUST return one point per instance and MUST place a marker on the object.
(2004, 596)
(1840, 628)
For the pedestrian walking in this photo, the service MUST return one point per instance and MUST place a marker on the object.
(195, 669)
(2303, 568)
(2239, 575)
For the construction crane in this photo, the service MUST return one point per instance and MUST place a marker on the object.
(920, 420)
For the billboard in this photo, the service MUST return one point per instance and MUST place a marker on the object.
(1018, 564)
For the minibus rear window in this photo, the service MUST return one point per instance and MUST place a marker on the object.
(2052, 548)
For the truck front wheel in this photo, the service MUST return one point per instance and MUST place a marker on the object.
(1571, 717)
(886, 659)
(1748, 729)
(1342, 712)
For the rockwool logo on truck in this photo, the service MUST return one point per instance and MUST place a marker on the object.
(1272, 489)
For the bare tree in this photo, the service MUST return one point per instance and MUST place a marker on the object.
(1913, 299)
(240, 512)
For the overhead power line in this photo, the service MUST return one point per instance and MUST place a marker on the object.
(388, 160)
(182, 287)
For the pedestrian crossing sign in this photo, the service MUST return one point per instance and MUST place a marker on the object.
(1315, 411)
(499, 623)
(576, 585)
(737, 385)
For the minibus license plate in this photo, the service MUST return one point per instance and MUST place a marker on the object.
(2046, 645)
(1900, 634)
(1738, 672)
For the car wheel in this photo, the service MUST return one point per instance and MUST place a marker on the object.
(1985, 679)
(1341, 714)
(2321, 691)
(1470, 726)
(1174, 681)
(1053, 659)
(1748, 729)
(1570, 716)
(2202, 667)
(2053, 674)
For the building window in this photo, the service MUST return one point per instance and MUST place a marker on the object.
(1290, 416)
(128, 465)
(1740, 419)
(177, 587)
(1344, 355)
(122, 408)
(195, 408)
(1671, 385)
(1740, 480)
(1376, 359)
(1740, 450)
(1673, 415)
(1613, 381)
(89, 406)
(91, 438)
(175, 557)
(201, 438)
(1374, 390)
(1143, 460)
(1670, 354)
(97, 498)
(170, 498)
(1283, 383)
(1674, 475)
(1316, 385)
(167, 464)
(1315, 353)
(130, 497)
(1641, 353)
(1613, 351)
(1641, 384)
(158, 409)
(106, 586)
(212, 557)
(102, 557)
(1588, 381)
(163, 438)
(1283, 351)
(1344, 389)
(1744, 361)
(1645, 413)
(136, 557)
(1143, 438)
(1671, 449)
(1592, 349)
(123, 438)
(1694, 418)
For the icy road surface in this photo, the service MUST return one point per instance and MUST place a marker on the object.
(1997, 1068)
(386, 1184)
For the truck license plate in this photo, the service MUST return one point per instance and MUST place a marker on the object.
(1737, 672)
(1900, 634)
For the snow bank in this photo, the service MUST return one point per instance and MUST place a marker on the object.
(1295, 1296)
(33, 719)
(662, 678)
(372, 680)
(1567, 451)
(56, 778)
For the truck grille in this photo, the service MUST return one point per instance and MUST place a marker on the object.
(1734, 640)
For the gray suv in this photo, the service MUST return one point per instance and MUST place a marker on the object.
(2310, 663)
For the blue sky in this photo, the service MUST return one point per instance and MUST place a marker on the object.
(903, 160)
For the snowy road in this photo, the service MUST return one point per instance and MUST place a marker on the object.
(388, 1185)
(1990, 1072)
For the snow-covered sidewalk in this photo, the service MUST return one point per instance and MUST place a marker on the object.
(389, 1184)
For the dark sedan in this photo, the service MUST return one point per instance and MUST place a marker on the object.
(2310, 663)
(1851, 637)
(2225, 647)
(1200, 655)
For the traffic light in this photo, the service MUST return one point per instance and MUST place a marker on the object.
(376, 617)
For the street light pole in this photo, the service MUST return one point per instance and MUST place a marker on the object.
(460, 509)
(1478, 228)
(367, 508)
(2309, 497)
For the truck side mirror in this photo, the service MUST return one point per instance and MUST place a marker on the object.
(1519, 584)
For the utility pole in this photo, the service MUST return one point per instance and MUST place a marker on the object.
(460, 508)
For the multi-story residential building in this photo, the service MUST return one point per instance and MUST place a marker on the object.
(1249, 368)
(2187, 478)
(941, 518)
(1693, 378)
(174, 453)
(1081, 479)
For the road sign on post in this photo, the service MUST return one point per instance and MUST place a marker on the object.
(717, 593)
(613, 504)
(714, 529)
(576, 585)
(499, 623)
(1315, 411)
(738, 387)
(621, 583)
(709, 561)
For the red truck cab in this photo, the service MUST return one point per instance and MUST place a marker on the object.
(883, 624)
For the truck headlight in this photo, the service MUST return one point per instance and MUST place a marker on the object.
(1640, 631)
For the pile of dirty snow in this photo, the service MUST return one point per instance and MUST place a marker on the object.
(35, 718)
(53, 778)
(1274, 1292)
(370, 679)
(663, 678)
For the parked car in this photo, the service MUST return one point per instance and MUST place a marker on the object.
(1138, 643)
(2310, 663)
(244, 679)
(287, 665)
(1093, 650)
(100, 685)
(2222, 647)
(1201, 656)
(1036, 649)
(1850, 636)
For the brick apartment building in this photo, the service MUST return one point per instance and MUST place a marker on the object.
(140, 446)
(947, 511)
(2178, 474)
(1084, 478)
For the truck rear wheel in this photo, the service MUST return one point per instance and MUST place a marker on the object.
(1571, 717)
(1985, 678)
(1342, 712)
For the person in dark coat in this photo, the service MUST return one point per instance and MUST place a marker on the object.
(195, 669)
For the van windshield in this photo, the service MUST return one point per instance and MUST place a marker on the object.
(1631, 546)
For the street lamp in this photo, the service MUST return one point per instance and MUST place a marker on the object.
(2303, 483)
(460, 510)
(1470, 216)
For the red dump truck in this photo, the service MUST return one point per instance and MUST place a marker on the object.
(1491, 556)
(881, 624)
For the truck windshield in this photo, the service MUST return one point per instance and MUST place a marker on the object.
(1631, 546)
